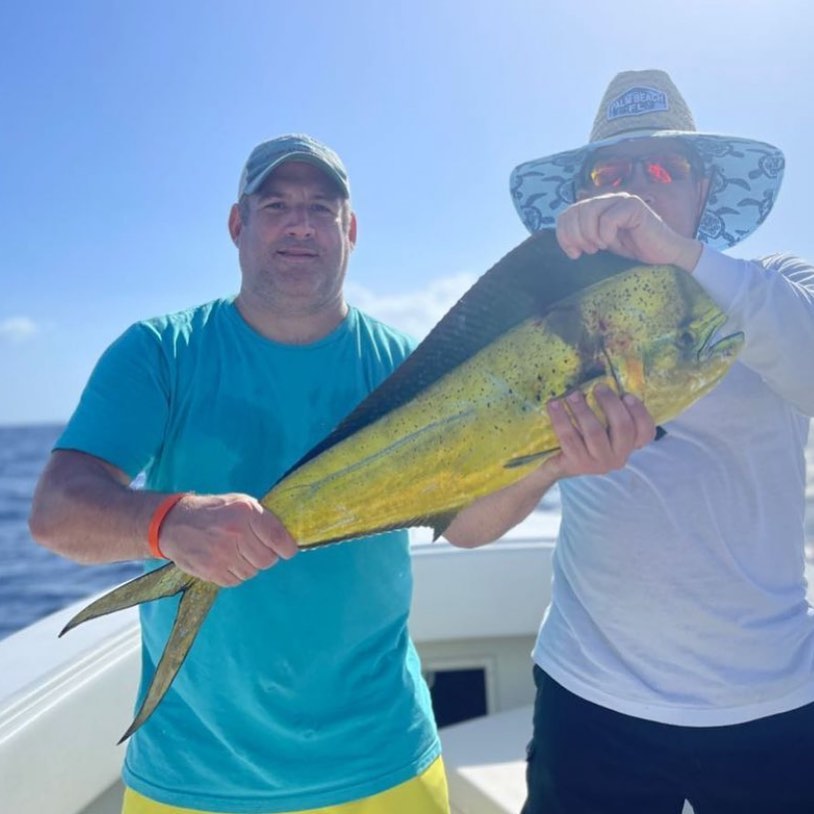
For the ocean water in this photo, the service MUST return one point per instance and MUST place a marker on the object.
(33, 581)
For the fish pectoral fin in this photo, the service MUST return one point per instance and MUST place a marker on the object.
(196, 601)
(534, 457)
(165, 581)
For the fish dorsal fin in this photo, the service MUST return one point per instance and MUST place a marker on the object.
(526, 282)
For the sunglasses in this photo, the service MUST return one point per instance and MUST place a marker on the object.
(613, 171)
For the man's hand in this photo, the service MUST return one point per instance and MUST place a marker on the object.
(84, 509)
(225, 539)
(587, 446)
(624, 224)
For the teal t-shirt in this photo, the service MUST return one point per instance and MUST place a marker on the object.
(303, 688)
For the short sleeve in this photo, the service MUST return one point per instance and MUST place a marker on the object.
(122, 413)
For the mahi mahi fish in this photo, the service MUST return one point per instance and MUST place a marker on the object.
(465, 414)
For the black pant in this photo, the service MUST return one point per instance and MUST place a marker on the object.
(586, 759)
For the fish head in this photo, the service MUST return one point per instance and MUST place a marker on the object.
(669, 351)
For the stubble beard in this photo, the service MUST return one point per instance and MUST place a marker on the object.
(296, 291)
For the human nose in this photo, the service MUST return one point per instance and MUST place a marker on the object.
(638, 183)
(299, 222)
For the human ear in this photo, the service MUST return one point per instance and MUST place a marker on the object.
(235, 223)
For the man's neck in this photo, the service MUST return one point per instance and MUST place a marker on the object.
(292, 327)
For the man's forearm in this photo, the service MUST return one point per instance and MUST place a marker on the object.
(492, 516)
(84, 509)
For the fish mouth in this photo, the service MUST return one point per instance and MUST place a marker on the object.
(726, 346)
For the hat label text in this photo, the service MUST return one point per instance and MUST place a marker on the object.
(636, 101)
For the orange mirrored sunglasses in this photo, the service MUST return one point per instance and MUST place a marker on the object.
(613, 171)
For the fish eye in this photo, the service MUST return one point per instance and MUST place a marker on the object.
(685, 339)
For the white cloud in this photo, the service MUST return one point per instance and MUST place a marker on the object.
(414, 312)
(17, 329)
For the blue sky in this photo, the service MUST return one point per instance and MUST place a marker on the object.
(125, 125)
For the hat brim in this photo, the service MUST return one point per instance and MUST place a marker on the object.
(306, 158)
(745, 179)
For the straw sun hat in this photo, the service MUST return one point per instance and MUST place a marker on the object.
(745, 174)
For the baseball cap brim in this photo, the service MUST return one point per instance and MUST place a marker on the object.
(268, 156)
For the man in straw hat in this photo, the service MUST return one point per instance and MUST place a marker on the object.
(676, 660)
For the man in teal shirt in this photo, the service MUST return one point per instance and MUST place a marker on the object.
(303, 690)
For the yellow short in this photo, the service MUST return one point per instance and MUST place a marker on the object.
(425, 794)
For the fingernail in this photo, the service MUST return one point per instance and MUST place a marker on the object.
(630, 400)
(575, 397)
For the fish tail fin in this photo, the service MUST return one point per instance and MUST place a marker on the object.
(165, 581)
(196, 600)
(198, 597)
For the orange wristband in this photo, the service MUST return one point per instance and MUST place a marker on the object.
(162, 510)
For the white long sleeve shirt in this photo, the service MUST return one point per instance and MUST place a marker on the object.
(678, 591)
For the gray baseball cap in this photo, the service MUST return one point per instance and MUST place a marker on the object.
(266, 157)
